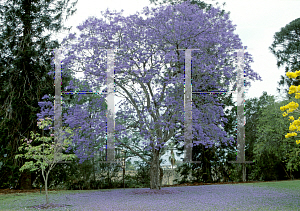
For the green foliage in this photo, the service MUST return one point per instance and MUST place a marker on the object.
(184, 170)
(288, 152)
(129, 165)
(288, 54)
(25, 60)
(272, 152)
(143, 176)
(46, 154)
(272, 136)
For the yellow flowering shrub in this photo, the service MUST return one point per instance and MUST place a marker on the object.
(292, 106)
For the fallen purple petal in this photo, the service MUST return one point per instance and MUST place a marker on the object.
(210, 197)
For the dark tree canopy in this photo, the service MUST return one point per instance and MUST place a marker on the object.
(25, 60)
(286, 49)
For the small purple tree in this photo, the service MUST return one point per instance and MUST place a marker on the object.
(150, 59)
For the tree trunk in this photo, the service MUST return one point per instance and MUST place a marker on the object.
(155, 182)
(161, 175)
(26, 181)
(46, 189)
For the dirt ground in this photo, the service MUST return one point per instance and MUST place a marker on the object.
(14, 191)
(216, 183)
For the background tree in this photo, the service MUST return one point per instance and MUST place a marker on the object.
(24, 64)
(289, 39)
(264, 140)
(272, 150)
(253, 110)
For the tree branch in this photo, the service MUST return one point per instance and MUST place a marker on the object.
(134, 152)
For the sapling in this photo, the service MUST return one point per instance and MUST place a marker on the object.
(46, 154)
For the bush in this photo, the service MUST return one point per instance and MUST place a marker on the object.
(184, 171)
(95, 184)
(79, 185)
(142, 176)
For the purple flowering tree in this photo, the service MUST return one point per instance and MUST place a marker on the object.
(147, 56)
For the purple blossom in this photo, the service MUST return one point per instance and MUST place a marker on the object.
(149, 45)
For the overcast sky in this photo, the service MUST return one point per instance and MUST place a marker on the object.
(257, 21)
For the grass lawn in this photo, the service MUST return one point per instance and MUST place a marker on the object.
(280, 195)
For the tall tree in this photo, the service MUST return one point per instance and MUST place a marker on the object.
(263, 140)
(154, 41)
(25, 60)
(271, 149)
(289, 39)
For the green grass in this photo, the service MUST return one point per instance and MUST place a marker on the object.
(12, 201)
(286, 185)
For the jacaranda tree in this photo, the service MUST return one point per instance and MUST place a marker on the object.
(148, 57)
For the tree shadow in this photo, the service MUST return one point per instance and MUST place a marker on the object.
(48, 206)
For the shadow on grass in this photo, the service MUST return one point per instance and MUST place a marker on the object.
(48, 206)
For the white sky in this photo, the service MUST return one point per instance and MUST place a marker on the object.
(257, 21)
